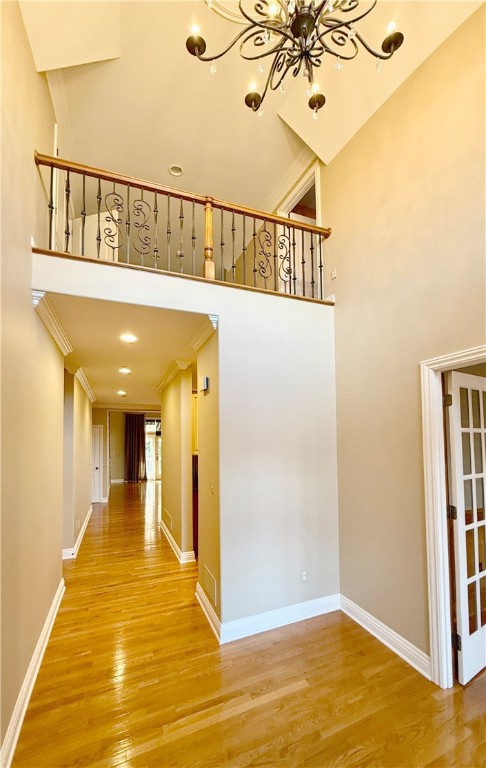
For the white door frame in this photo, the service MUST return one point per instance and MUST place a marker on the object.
(99, 429)
(436, 506)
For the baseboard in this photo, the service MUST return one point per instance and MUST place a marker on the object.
(262, 622)
(183, 557)
(13, 731)
(395, 642)
(72, 552)
(116, 481)
(208, 611)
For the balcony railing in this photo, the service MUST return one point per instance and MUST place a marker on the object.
(108, 216)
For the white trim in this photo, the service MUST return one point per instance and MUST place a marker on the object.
(301, 162)
(72, 552)
(13, 731)
(208, 611)
(46, 312)
(99, 427)
(83, 380)
(398, 644)
(183, 557)
(208, 327)
(117, 481)
(172, 371)
(435, 508)
(311, 177)
(280, 617)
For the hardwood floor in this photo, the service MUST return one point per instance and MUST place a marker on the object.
(133, 676)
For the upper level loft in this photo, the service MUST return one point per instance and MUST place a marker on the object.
(98, 215)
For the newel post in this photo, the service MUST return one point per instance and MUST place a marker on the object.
(209, 268)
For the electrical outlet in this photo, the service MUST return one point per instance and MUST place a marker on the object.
(303, 576)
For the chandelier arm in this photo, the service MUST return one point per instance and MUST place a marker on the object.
(270, 78)
(321, 44)
(230, 46)
(255, 57)
(277, 68)
(268, 27)
(376, 54)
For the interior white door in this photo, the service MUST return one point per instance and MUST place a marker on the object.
(467, 430)
(96, 463)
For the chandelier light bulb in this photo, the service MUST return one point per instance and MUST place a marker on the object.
(252, 87)
(273, 10)
(213, 68)
(392, 27)
(195, 30)
(315, 88)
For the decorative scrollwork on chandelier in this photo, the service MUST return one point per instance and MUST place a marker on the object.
(294, 36)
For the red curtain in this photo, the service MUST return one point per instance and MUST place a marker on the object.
(135, 469)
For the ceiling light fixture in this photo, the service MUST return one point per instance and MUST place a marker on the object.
(122, 393)
(176, 170)
(124, 370)
(129, 338)
(293, 36)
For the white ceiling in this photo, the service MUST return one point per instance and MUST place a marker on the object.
(94, 327)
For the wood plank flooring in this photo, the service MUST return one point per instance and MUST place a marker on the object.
(134, 677)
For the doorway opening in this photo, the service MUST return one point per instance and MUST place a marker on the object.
(153, 448)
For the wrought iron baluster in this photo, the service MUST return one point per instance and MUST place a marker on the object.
(303, 263)
(254, 253)
(244, 249)
(83, 215)
(222, 244)
(275, 264)
(169, 233)
(67, 231)
(180, 252)
(313, 281)
(294, 270)
(51, 210)
(128, 224)
(193, 237)
(233, 235)
(156, 218)
(98, 231)
(320, 267)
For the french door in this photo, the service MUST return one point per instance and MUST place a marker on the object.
(467, 433)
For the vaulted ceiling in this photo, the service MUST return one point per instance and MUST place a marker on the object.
(129, 98)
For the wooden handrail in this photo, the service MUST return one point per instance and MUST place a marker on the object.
(99, 173)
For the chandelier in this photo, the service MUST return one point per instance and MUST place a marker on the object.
(294, 36)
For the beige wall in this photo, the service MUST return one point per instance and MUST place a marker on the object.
(77, 459)
(32, 378)
(117, 445)
(176, 418)
(208, 470)
(406, 201)
(100, 418)
(277, 440)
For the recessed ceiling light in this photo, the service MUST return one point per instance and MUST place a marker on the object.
(124, 369)
(176, 169)
(122, 393)
(130, 338)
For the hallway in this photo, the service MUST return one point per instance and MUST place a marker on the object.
(133, 675)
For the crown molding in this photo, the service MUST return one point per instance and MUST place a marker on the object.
(83, 380)
(46, 312)
(172, 371)
(209, 325)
